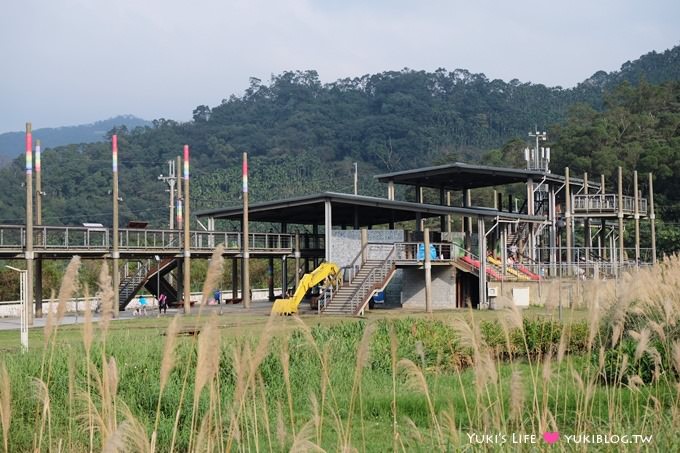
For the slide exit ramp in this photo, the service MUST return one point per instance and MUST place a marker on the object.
(328, 272)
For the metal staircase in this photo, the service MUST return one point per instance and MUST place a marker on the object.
(146, 276)
(372, 276)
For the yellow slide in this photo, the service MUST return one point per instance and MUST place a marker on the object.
(325, 271)
(508, 269)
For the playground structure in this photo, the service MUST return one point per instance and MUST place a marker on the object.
(326, 273)
(555, 226)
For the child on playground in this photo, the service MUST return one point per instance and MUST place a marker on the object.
(142, 305)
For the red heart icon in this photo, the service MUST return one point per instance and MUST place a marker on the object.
(551, 437)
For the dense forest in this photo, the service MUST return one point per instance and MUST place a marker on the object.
(302, 137)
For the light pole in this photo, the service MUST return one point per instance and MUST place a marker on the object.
(23, 295)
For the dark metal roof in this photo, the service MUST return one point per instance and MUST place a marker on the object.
(346, 208)
(460, 176)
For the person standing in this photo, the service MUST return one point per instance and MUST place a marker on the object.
(218, 297)
(142, 305)
(162, 304)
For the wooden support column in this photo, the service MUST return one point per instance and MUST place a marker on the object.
(38, 221)
(530, 211)
(603, 229)
(270, 275)
(187, 235)
(297, 260)
(587, 240)
(442, 201)
(246, 236)
(428, 272)
(467, 221)
(449, 217)
(328, 231)
(552, 217)
(652, 217)
(115, 237)
(620, 216)
(570, 223)
(419, 199)
(481, 232)
(234, 278)
(284, 265)
(390, 190)
(636, 212)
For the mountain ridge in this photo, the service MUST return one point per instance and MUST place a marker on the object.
(11, 143)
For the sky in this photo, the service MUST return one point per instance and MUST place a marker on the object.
(67, 62)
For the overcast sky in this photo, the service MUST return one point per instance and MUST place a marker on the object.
(66, 62)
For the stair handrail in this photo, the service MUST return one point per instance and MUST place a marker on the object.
(140, 274)
(382, 270)
(351, 266)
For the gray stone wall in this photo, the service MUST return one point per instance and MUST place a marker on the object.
(443, 288)
(346, 244)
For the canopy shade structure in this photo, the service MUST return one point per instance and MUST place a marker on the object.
(460, 176)
(351, 210)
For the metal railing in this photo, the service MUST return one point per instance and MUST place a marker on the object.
(50, 238)
(408, 251)
(607, 203)
(373, 280)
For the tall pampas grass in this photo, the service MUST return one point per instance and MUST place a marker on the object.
(106, 295)
(416, 380)
(362, 358)
(207, 363)
(167, 364)
(215, 270)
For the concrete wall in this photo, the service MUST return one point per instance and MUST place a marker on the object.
(443, 288)
(504, 291)
(346, 244)
(11, 309)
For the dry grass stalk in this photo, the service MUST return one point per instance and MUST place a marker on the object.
(43, 395)
(108, 388)
(208, 355)
(69, 285)
(215, 270)
(107, 297)
(676, 356)
(280, 426)
(416, 380)
(168, 360)
(593, 323)
(362, 359)
(88, 328)
(517, 396)
(5, 404)
(642, 343)
(130, 435)
(515, 318)
(285, 364)
(207, 364)
(49, 324)
(635, 381)
(302, 441)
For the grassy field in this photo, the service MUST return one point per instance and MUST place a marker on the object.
(453, 381)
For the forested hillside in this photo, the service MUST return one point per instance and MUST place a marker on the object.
(302, 136)
(12, 143)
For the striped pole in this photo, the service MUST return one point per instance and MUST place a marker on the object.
(187, 236)
(28, 309)
(178, 213)
(246, 245)
(41, 238)
(116, 253)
